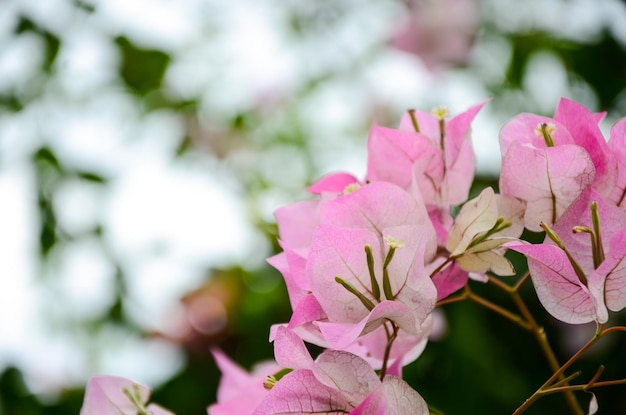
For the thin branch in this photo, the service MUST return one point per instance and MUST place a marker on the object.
(540, 336)
(451, 300)
(550, 387)
(515, 318)
(521, 281)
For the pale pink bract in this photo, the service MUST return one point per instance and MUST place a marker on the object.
(558, 286)
(548, 162)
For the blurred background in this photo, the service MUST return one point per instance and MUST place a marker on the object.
(144, 145)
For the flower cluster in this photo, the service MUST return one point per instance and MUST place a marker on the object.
(367, 261)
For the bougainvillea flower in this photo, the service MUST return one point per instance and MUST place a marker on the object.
(392, 153)
(480, 229)
(239, 392)
(439, 149)
(549, 162)
(111, 394)
(579, 275)
(335, 382)
(359, 272)
(374, 240)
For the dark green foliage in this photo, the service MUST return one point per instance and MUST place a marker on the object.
(142, 69)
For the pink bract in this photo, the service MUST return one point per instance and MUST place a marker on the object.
(549, 162)
(335, 382)
(558, 286)
(106, 395)
(239, 392)
(445, 165)
(617, 144)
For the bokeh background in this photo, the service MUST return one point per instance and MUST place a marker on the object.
(144, 145)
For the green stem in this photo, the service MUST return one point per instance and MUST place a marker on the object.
(370, 267)
(135, 398)
(441, 267)
(583, 388)
(450, 300)
(391, 336)
(521, 282)
(364, 300)
(416, 126)
(540, 336)
(515, 318)
(546, 387)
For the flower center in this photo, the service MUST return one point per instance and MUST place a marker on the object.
(596, 241)
(369, 256)
(546, 130)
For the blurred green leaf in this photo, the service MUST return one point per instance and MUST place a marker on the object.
(142, 69)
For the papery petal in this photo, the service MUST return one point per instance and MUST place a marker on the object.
(395, 369)
(406, 348)
(557, 285)
(294, 277)
(457, 132)
(234, 377)
(333, 183)
(239, 392)
(299, 392)
(375, 206)
(428, 176)
(154, 409)
(105, 394)
(428, 124)
(341, 335)
(613, 272)
(349, 374)
(598, 117)
(391, 154)
(442, 221)
(612, 220)
(290, 351)
(523, 129)
(307, 311)
(512, 210)
(394, 396)
(489, 245)
(340, 252)
(484, 261)
(297, 222)
(549, 180)
(459, 156)
(449, 280)
(459, 175)
(593, 404)
(617, 145)
(476, 216)
(420, 300)
(407, 266)
(583, 126)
